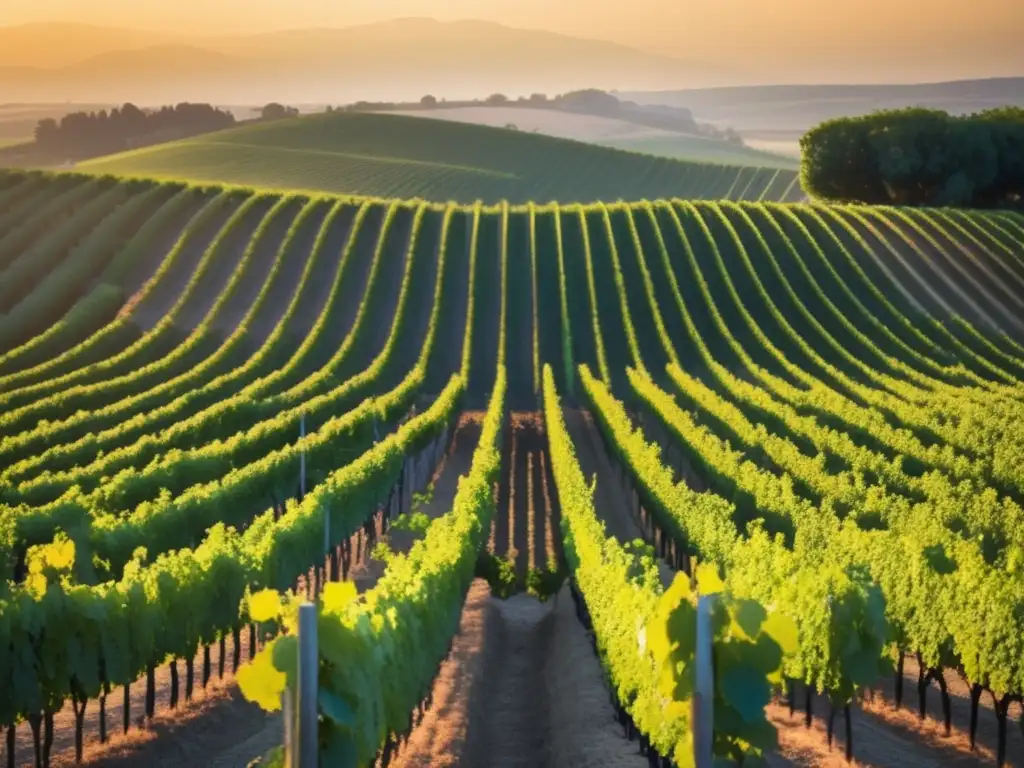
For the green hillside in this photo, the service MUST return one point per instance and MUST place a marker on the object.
(407, 157)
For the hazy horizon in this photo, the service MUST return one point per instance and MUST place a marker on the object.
(855, 41)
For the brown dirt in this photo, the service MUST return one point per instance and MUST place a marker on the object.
(510, 726)
(521, 687)
(526, 526)
(581, 718)
(882, 737)
(220, 729)
(220, 697)
(439, 739)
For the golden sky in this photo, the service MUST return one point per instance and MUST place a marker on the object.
(740, 32)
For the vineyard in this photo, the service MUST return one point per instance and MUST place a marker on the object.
(210, 394)
(407, 157)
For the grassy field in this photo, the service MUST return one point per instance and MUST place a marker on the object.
(407, 157)
(612, 132)
(824, 403)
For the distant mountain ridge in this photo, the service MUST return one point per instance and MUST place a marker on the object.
(399, 59)
(995, 88)
(794, 108)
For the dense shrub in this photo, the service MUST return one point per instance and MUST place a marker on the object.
(918, 157)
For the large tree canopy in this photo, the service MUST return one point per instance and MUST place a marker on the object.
(918, 157)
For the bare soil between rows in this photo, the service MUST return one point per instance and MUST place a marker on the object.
(521, 688)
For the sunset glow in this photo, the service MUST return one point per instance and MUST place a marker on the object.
(784, 40)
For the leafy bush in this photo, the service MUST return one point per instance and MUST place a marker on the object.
(499, 573)
(918, 157)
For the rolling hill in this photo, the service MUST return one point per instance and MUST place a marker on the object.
(610, 132)
(402, 156)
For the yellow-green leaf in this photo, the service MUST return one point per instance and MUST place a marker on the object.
(261, 682)
(708, 580)
(265, 605)
(338, 594)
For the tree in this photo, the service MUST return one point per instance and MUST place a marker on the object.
(590, 100)
(275, 111)
(496, 99)
(47, 131)
(85, 134)
(428, 101)
(918, 157)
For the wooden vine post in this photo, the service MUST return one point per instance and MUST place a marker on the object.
(300, 707)
(704, 692)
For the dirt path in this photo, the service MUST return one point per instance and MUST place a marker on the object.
(882, 737)
(439, 739)
(521, 687)
(510, 727)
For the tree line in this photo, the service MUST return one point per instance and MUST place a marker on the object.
(918, 156)
(589, 101)
(83, 134)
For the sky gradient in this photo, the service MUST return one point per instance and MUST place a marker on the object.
(779, 36)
